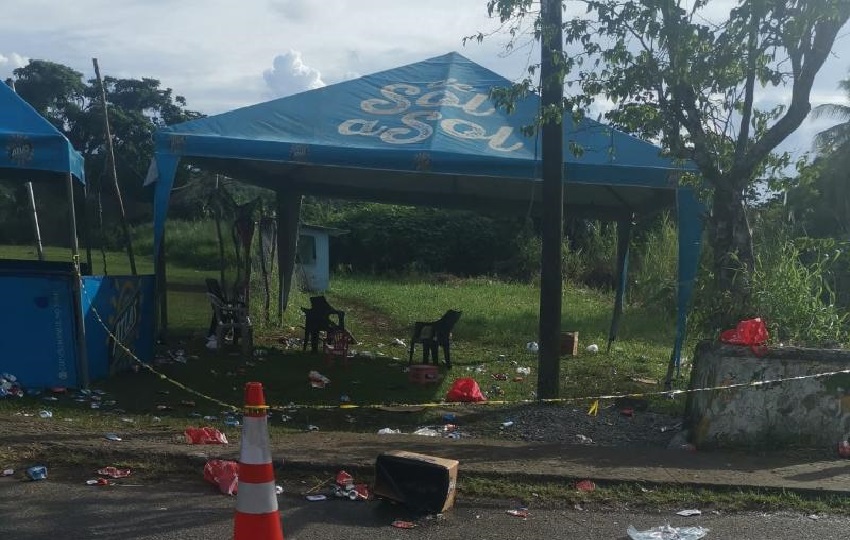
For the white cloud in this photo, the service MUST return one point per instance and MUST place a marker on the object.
(9, 63)
(290, 75)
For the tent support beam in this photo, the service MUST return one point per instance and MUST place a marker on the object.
(162, 291)
(36, 229)
(288, 219)
(624, 236)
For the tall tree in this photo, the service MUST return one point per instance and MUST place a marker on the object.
(136, 108)
(676, 77)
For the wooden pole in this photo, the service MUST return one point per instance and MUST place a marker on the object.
(77, 284)
(551, 284)
(31, 195)
(110, 154)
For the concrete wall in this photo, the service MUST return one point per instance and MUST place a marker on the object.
(812, 412)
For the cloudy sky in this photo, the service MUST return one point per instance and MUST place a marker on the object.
(223, 54)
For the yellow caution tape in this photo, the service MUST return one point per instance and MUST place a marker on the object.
(593, 410)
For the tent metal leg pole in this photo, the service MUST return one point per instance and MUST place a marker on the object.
(288, 218)
(77, 284)
(624, 236)
(162, 291)
(36, 229)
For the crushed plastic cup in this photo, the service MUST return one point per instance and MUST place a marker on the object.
(592, 348)
(112, 437)
(7, 472)
(45, 414)
(666, 532)
(388, 431)
(523, 370)
(38, 472)
(532, 347)
(507, 424)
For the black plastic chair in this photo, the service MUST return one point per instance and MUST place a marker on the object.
(318, 319)
(433, 335)
(229, 318)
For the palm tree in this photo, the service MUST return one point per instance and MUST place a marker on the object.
(838, 136)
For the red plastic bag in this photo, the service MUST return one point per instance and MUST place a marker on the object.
(751, 333)
(204, 435)
(465, 389)
(224, 474)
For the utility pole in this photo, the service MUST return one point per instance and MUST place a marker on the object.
(110, 154)
(551, 284)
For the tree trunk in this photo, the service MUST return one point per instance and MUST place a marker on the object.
(733, 263)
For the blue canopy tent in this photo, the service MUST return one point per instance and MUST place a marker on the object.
(428, 134)
(52, 333)
(33, 150)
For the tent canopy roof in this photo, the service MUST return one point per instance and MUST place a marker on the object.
(31, 148)
(425, 133)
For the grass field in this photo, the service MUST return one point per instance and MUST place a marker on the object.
(498, 319)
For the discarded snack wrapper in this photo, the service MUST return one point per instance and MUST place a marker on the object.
(689, 512)
(112, 437)
(204, 435)
(518, 512)
(114, 472)
(400, 524)
(7, 472)
(315, 498)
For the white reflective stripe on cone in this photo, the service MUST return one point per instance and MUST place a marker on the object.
(254, 448)
(256, 498)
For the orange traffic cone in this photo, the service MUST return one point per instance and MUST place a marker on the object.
(257, 516)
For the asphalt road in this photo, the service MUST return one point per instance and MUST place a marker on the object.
(54, 510)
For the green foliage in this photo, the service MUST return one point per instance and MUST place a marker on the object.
(639, 54)
(191, 244)
(655, 269)
(793, 294)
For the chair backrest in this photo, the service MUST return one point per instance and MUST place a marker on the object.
(320, 304)
(214, 288)
(448, 320)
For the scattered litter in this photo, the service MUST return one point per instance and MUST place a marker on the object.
(813, 517)
(388, 431)
(465, 389)
(317, 380)
(583, 439)
(674, 427)
(507, 424)
(500, 376)
(523, 370)
(278, 490)
(585, 485)
(128, 420)
(8, 472)
(346, 488)
(689, 512)
(427, 431)
(204, 435)
(399, 342)
(666, 532)
(344, 398)
(99, 482)
(311, 427)
(592, 348)
(449, 418)
(224, 474)
(642, 380)
(38, 472)
(400, 524)
(156, 419)
(45, 414)
(112, 437)
(9, 386)
(114, 472)
(519, 512)
(285, 418)
(231, 422)
(532, 347)
(315, 498)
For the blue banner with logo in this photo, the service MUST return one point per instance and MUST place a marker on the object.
(125, 305)
(38, 337)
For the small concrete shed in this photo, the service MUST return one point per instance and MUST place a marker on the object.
(312, 261)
